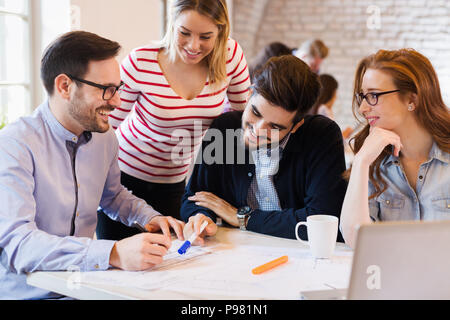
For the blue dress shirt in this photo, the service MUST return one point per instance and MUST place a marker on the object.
(51, 184)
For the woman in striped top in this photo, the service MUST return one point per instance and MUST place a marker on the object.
(173, 91)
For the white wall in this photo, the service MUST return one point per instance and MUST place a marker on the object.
(132, 23)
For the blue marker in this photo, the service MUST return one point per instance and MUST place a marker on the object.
(186, 245)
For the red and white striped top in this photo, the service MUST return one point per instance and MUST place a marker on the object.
(159, 132)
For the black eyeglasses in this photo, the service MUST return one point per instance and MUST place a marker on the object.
(371, 97)
(108, 91)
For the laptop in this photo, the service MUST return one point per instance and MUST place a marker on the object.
(397, 260)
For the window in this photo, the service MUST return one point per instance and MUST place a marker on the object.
(15, 60)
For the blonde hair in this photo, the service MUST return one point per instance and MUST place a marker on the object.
(314, 48)
(217, 11)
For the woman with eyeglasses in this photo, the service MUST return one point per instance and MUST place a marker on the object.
(173, 91)
(401, 169)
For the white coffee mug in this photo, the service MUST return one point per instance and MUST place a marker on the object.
(322, 232)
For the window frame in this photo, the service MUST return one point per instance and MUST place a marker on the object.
(32, 81)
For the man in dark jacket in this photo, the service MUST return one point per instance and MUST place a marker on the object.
(277, 166)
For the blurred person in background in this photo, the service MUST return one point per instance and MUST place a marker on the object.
(326, 100)
(312, 52)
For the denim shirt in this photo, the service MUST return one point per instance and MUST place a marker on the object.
(51, 184)
(430, 200)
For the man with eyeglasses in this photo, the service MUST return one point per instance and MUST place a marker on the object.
(59, 164)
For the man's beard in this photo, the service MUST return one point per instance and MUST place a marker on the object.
(86, 116)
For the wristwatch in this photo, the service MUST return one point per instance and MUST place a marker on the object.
(243, 214)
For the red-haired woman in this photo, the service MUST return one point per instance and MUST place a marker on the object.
(401, 167)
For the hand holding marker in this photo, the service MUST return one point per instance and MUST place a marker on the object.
(186, 245)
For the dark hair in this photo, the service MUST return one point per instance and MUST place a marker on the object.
(288, 82)
(329, 87)
(71, 54)
(274, 49)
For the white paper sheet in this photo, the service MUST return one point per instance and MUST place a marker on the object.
(230, 273)
(153, 278)
(216, 269)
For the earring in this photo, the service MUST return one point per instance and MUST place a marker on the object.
(411, 107)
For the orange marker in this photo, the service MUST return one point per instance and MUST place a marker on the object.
(270, 265)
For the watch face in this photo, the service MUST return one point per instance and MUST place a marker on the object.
(244, 210)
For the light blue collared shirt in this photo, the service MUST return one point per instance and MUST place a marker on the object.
(51, 184)
(430, 201)
(262, 193)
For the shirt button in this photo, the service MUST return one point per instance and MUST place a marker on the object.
(97, 266)
(267, 199)
(74, 139)
(448, 206)
(250, 174)
(420, 177)
(387, 202)
(78, 214)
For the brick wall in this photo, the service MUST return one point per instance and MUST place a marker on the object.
(352, 30)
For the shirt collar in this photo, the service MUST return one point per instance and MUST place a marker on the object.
(279, 146)
(284, 141)
(390, 158)
(435, 153)
(58, 128)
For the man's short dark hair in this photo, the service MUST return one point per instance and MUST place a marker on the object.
(288, 82)
(71, 54)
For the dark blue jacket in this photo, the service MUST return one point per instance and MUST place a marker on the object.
(309, 179)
